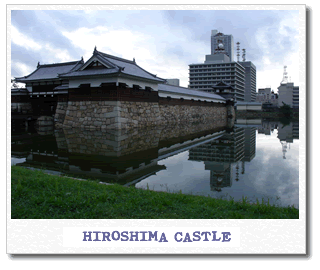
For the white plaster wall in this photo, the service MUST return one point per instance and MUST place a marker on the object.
(241, 108)
(95, 82)
(249, 107)
(188, 97)
(143, 84)
(254, 108)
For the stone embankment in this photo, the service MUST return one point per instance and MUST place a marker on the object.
(127, 114)
(44, 125)
(128, 141)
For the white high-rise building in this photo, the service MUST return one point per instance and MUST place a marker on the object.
(227, 42)
(288, 94)
(218, 68)
(250, 86)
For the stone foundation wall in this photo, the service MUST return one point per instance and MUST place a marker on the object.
(185, 114)
(132, 114)
(21, 107)
(60, 112)
(140, 114)
(91, 114)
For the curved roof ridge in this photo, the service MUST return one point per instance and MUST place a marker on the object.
(108, 62)
(222, 82)
(125, 60)
(44, 66)
(77, 63)
(59, 64)
(171, 85)
(149, 72)
(115, 57)
(24, 77)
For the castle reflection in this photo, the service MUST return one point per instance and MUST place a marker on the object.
(128, 157)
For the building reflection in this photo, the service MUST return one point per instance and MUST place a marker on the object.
(123, 157)
(236, 148)
(128, 157)
(220, 156)
(267, 127)
(287, 133)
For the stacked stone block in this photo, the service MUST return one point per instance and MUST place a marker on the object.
(60, 113)
(131, 114)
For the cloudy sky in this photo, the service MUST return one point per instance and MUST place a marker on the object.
(164, 42)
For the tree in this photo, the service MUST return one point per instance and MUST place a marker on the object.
(286, 110)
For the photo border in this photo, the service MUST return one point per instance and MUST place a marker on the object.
(26, 236)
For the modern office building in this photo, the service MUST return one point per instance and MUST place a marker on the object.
(175, 82)
(227, 41)
(220, 70)
(266, 95)
(217, 68)
(288, 94)
(250, 84)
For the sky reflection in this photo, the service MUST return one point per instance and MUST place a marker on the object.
(267, 176)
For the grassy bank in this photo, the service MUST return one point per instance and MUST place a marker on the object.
(36, 195)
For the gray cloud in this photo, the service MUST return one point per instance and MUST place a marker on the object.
(171, 32)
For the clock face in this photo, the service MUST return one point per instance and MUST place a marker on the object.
(220, 46)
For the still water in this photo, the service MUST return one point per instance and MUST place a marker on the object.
(257, 159)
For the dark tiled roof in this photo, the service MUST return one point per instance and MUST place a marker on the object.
(117, 65)
(50, 72)
(222, 85)
(188, 91)
(90, 72)
(19, 91)
(62, 87)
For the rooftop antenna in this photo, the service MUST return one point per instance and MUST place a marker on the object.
(238, 50)
(284, 149)
(243, 55)
(285, 75)
(243, 167)
(237, 172)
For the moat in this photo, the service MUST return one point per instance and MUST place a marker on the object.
(257, 160)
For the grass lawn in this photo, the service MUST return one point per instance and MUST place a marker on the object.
(36, 195)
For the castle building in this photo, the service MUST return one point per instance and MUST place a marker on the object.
(109, 92)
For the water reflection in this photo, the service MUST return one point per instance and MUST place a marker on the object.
(257, 159)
